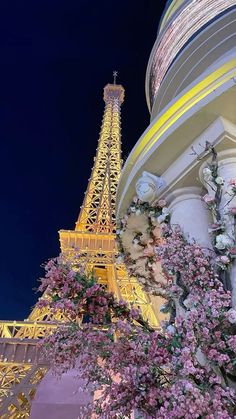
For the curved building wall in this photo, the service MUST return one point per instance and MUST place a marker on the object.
(178, 32)
(170, 9)
(201, 56)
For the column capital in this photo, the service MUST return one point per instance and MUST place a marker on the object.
(226, 157)
(189, 212)
(181, 194)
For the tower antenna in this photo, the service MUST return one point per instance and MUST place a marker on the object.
(115, 74)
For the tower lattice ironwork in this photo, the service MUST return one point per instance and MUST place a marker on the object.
(21, 367)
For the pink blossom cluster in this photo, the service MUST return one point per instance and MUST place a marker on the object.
(206, 324)
(200, 333)
(181, 371)
(75, 294)
(170, 373)
(186, 400)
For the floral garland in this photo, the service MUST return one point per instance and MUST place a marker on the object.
(139, 255)
(223, 227)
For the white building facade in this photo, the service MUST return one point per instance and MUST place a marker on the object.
(191, 94)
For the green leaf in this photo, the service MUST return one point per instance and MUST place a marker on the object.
(55, 298)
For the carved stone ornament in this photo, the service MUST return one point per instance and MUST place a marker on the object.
(147, 186)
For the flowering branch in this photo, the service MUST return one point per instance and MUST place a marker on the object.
(134, 367)
(181, 371)
(223, 238)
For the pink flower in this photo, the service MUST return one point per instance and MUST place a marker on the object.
(126, 352)
(215, 226)
(231, 316)
(232, 250)
(156, 232)
(224, 259)
(208, 199)
(232, 210)
(149, 250)
(232, 182)
(232, 343)
(161, 203)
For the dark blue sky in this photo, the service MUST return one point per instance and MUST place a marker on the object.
(56, 56)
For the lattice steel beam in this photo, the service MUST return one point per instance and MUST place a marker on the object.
(21, 367)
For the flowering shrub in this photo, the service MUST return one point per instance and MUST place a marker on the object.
(187, 369)
(161, 373)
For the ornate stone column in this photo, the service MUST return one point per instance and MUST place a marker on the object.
(226, 171)
(189, 212)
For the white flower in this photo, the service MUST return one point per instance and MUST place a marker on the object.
(231, 191)
(188, 303)
(161, 218)
(207, 174)
(188, 386)
(164, 324)
(135, 241)
(171, 329)
(138, 212)
(165, 211)
(223, 241)
(219, 180)
(231, 315)
(120, 259)
(117, 232)
(132, 209)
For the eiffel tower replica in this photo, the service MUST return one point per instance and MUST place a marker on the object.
(21, 368)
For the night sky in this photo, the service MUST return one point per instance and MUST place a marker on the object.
(56, 56)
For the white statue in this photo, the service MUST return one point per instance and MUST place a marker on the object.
(147, 187)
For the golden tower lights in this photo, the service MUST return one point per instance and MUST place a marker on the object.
(21, 368)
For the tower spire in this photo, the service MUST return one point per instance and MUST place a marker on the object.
(98, 210)
(94, 234)
(115, 74)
